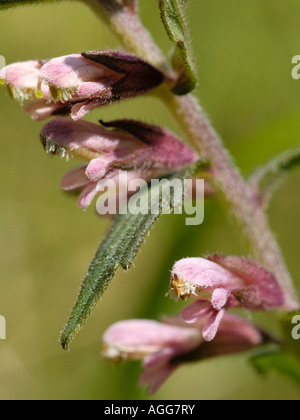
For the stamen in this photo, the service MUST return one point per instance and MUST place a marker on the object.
(63, 95)
(19, 94)
(113, 353)
(56, 149)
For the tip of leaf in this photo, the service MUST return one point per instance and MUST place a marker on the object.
(64, 342)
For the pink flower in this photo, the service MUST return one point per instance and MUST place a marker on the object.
(88, 80)
(42, 109)
(164, 346)
(78, 83)
(220, 283)
(146, 151)
(22, 79)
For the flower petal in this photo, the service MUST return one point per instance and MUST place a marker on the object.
(22, 79)
(156, 377)
(82, 109)
(70, 71)
(202, 275)
(98, 168)
(136, 337)
(75, 179)
(196, 311)
(41, 109)
(261, 289)
(87, 195)
(219, 298)
(164, 148)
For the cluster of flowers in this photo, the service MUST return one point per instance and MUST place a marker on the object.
(72, 86)
(204, 329)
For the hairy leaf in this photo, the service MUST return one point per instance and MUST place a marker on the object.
(172, 13)
(275, 360)
(119, 248)
(265, 180)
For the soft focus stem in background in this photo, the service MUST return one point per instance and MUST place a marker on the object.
(228, 182)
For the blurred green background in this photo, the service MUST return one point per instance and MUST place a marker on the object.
(243, 51)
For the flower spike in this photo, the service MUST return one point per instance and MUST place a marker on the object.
(219, 283)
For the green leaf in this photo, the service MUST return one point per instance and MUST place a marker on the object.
(119, 248)
(6, 4)
(275, 360)
(265, 180)
(172, 13)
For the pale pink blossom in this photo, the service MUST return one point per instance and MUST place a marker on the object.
(88, 80)
(164, 346)
(143, 150)
(220, 283)
(78, 83)
(22, 80)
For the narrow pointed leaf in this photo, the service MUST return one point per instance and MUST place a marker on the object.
(265, 179)
(173, 17)
(119, 248)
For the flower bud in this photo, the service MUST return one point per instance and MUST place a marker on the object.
(97, 78)
(21, 80)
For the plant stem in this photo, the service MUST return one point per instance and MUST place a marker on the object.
(228, 182)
